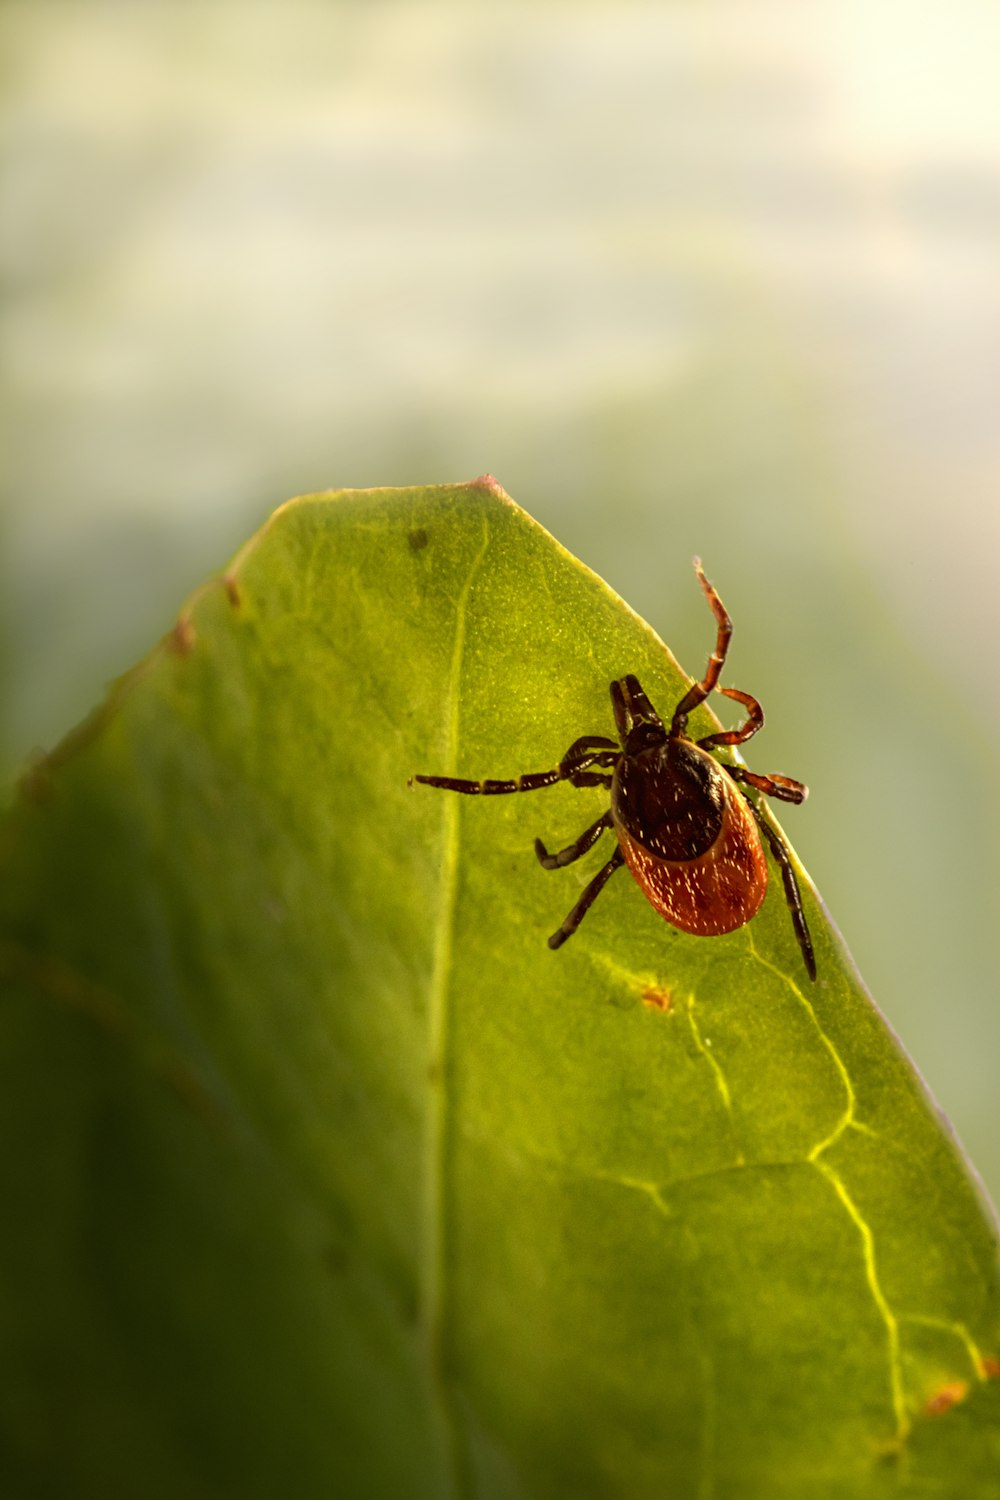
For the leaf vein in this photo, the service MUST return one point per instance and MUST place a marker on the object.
(718, 1073)
(846, 1119)
(434, 1260)
(958, 1331)
(878, 1295)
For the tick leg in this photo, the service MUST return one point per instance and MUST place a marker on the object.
(566, 856)
(699, 691)
(587, 900)
(782, 787)
(532, 782)
(585, 744)
(591, 750)
(746, 731)
(793, 895)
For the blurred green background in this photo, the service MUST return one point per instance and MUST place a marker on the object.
(719, 278)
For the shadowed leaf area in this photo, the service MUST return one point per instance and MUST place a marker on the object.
(323, 1176)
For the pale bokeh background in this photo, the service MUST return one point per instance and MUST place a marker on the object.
(720, 278)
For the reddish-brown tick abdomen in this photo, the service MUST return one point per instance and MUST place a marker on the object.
(689, 838)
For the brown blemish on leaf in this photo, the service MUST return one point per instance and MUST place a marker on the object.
(946, 1397)
(232, 589)
(417, 539)
(991, 1369)
(178, 1074)
(182, 638)
(35, 781)
(657, 999)
(889, 1452)
(61, 984)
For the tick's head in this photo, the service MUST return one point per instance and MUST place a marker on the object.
(639, 725)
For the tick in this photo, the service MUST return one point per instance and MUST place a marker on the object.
(692, 838)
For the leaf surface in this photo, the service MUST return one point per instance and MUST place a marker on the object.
(323, 1175)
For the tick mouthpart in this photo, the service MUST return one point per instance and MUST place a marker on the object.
(636, 705)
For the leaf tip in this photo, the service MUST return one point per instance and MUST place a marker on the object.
(491, 483)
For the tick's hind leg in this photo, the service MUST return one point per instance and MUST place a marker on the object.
(587, 900)
(782, 787)
(573, 851)
(793, 895)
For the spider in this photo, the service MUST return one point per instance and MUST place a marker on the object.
(685, 827)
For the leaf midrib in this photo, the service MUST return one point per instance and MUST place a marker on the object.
(437, 1152)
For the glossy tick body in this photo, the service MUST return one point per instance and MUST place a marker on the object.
(685, 827)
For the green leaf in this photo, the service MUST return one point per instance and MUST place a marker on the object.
(323, 1175)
